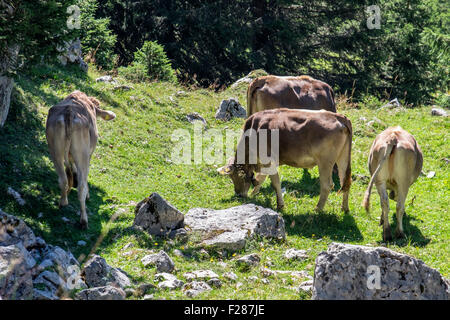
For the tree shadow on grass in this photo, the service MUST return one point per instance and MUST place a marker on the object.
(26, 167)
(70, 77)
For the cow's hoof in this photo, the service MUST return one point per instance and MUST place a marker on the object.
(63, 204)
(399, 234)
(83, 225)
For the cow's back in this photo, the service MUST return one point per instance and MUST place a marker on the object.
(303, 134)
(304, 92)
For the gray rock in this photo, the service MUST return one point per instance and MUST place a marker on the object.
(214, 282)
(71, 52)
(438, 112)
(171, 284)
(16, 272)
(53, 283)
(161, 260)
(179, 234)
(81, 243)
(156, 216)
(194, 288)
(349, 272)
(249, 260)
(148, 297)
(230, 276)
(107, 79)
(97, 273)
(194, 116)
(44, 294)
(306, 286)
(13, 230)
(164, 276)
(230, 228)
(230, 108)
(200, 275)
(143, 289)
(102, 293)
(294, 254)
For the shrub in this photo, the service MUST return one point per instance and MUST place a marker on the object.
(97, 40)
(150, 63)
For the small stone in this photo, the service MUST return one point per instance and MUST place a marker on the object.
(230, 276)
(431, 174)
(306, 286)
(200, 275)
(148, 297)
(253, 278)
(194, 288)
(102, 293)
(66, 220)
(438, 112)
(294, 254)
(161, 260)
(129, 292)
(214, 282)
(81, 243)
(144, 288)
(249, 260)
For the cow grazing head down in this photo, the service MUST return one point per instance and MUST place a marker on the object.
(242, 176)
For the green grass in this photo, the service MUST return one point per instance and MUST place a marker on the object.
(130, 162)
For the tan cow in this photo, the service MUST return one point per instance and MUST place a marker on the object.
(71, 132)
(395, 162)
(303, 92)
(306, 138)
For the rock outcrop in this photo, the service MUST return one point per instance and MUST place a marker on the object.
(231, 228)
(364, 273)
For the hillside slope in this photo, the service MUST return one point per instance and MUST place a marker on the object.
(133, 159)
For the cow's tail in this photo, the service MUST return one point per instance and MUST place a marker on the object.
(251, 98)
(68, 137)
(390, 146)
(333, 102)
(348, 171)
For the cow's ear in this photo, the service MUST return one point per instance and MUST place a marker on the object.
(225, 170)
(106, 115)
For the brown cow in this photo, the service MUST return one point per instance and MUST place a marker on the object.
(306, 138)
(395, 162)
(303, 92)
(71, 132)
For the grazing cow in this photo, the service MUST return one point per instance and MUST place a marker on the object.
(303, 92)
(71, 132)
(306, 138)
(395, 162)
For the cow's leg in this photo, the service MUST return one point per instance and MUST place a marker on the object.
(276, 184)
(384, 200)
(62, 181)
(260, 179)
(401, 198)
(342, 164)
(81, 159)
(326, 183)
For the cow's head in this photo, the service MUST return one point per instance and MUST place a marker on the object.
(242, 176)
(104, 114)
